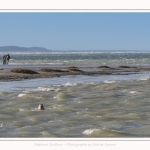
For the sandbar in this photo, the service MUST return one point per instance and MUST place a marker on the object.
(21, 73)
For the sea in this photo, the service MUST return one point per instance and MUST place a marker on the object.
(77, 106)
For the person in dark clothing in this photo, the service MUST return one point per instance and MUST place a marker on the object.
(4, 59)
(7, 58)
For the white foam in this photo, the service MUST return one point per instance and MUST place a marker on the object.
(69, 84)
(43, 89)
(107, 81)
(78, 83)
(90, 131)
(21, 95)
(21, 109)
(143, 78)
(132, 92)
(73, 84)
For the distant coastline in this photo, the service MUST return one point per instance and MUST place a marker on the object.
(23, 49)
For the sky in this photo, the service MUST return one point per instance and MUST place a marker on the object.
(76, 30)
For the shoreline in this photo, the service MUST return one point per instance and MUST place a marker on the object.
(18, 74)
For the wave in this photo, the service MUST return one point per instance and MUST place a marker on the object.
(90, 131)
(132, 92)
(61, 96)
(43, 89)
(143, 78)
(107, 81)
(21, 95)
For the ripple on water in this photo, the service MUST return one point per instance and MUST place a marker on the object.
(141, 131)
(62, 96)
(103, 132)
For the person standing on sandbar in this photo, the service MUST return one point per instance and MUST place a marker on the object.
(4, 59)
(7, 58)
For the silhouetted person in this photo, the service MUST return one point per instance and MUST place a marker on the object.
(4, 59)
(7, 58)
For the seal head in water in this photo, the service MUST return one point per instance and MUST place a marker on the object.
(41, 107)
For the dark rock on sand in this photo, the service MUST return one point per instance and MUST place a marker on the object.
(51, 70)
(26, 71)
(108, 68)
(144, 69)
(103, 67)
(74, 69)
(127, 67)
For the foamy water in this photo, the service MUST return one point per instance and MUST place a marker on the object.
(76, 106)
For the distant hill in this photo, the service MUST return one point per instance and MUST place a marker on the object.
(22, 49)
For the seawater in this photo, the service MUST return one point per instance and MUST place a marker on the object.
(85, 58)
(78, 106)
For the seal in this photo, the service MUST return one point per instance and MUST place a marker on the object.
(41, 107)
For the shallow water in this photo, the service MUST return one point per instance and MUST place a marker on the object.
(76, 106)
(85, 58)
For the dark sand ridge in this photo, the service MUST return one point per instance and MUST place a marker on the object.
(16, 74)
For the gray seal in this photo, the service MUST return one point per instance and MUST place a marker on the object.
(41, 107)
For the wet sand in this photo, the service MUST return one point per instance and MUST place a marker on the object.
(17, 74)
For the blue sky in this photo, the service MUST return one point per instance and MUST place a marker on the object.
(76, 31)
